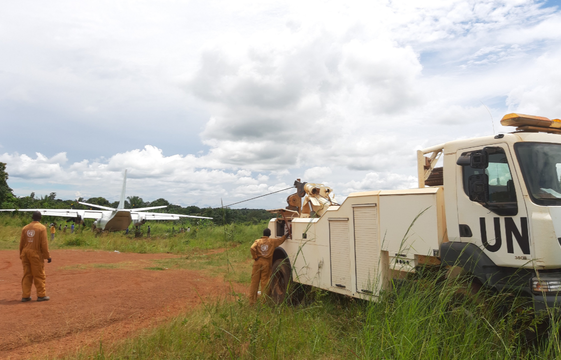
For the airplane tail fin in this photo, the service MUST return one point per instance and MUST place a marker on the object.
(122, 201)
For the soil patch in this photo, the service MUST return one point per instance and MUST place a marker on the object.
(93, 301)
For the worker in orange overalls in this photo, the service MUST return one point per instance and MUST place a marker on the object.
(33, 250)
(262, 252)
(53, 231)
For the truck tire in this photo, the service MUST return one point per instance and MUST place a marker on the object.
(281, 281)
(470, 290)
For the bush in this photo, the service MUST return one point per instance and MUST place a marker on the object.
(74, 241)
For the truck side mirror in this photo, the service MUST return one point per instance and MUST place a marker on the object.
(476, 159)
(479, 159)
(479, 188)
(464, 160)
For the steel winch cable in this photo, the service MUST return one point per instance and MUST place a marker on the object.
(260, 196)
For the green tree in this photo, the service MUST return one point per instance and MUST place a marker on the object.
(210, 213)
(159, 202)
(189, 210)
(136, 202)
(10, 202)
(5, 191)
(26, 202)
(99, 201)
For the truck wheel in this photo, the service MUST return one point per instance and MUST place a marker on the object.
(472, 289)
(281, 281)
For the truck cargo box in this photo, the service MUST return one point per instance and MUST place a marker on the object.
(353, 248)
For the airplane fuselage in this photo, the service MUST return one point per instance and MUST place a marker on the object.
(118, 220)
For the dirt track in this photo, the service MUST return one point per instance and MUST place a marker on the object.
(89, 303)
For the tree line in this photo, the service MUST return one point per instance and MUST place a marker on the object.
(220, 215)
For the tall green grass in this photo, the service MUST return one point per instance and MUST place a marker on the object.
(428, 318)
(235, 330)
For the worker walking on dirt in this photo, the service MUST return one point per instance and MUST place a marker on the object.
(262, 252)
(53, 231)
(33, 250)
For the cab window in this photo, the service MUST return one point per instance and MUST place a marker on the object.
(502, 194)
(541, 168)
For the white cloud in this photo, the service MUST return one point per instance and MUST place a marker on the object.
(540, 96)
(380, 181)
(41, 167)
(334, 94)
(283, 106)
(318, 173)
(254, 189)
(237, 98)
(151, 175)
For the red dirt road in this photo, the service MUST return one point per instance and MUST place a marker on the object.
(90, 303)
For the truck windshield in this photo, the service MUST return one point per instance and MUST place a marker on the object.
(541, 168)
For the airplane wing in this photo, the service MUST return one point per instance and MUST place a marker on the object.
(71, 213)
(140, 216)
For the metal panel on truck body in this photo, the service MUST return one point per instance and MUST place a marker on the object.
(310, 257)
(412, 222)
(340, 252)
(451, 172)
(367, 248)
(372, 264)
(346, 255)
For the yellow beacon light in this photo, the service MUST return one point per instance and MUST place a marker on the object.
(532, 123)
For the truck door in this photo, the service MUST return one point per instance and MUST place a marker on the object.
(340, 253)
(367, 248)
(497, 225)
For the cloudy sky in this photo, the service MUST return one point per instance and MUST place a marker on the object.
(209, 100)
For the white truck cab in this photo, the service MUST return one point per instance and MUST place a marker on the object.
(493, 210)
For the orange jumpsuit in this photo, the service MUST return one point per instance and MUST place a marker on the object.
(262, 252)
(33, 250)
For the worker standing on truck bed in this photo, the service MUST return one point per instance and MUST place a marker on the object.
(33, 250)
(262, 252)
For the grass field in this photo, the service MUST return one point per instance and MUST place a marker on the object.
(414, 322)
(165, 237)
(429, 318)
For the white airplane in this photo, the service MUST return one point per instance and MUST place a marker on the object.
(112, 219)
